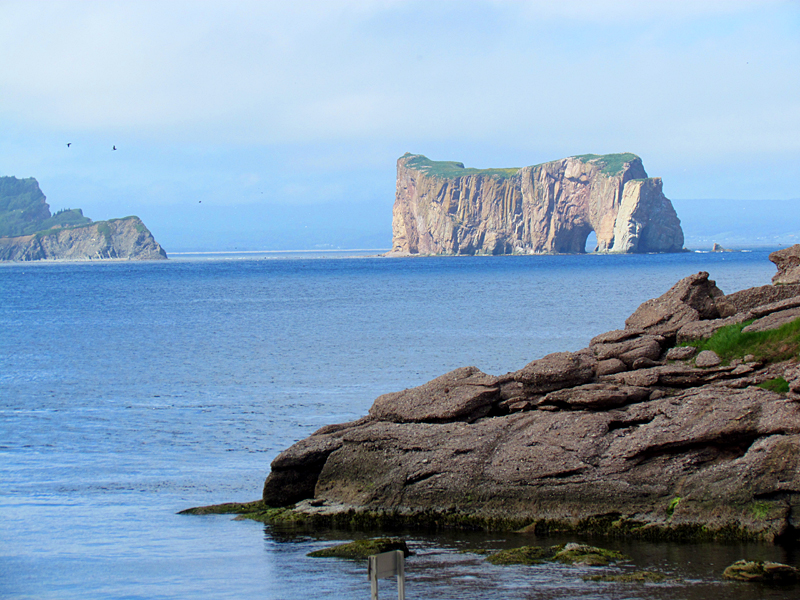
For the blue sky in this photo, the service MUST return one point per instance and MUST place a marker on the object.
(277, 125)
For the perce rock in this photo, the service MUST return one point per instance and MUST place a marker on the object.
(444, 208)
(629, 436)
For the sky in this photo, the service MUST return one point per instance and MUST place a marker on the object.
(277, 125)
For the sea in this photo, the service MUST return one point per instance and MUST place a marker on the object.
(130, 391)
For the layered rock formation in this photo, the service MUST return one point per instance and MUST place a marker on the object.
(443, 208)
(126, 238)
(788, 263)
(633, 432)
(29, 232)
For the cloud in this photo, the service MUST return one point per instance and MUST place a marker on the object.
(274, 72)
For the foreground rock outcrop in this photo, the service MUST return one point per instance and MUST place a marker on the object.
(631, 436)
(443, 208)
(29, 232)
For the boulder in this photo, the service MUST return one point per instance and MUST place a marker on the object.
(699, 330)
(647, 346)
(762, 572)
(681, 352)
(707, 358)
(745, 300)
(693, 298)
(773, 320)
(465, 394)
(596, 396)
(610, 366)
(788, 263)
(556, 371)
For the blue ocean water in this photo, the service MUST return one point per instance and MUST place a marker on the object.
(130, 391)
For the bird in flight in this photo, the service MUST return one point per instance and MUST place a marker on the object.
(114, 148)
(69, 144)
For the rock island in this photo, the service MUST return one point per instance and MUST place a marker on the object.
(444, 208)
(29, 232)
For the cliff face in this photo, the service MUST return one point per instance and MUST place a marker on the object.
(29, 232)
(126, 238)
(443, 208)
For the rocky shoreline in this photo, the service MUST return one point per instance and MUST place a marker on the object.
(684, 425)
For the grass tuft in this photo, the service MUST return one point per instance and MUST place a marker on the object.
(771, 346)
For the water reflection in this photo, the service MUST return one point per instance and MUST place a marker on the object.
(448, 566)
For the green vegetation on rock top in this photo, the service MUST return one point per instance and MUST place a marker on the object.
(24, 210)
(610, 164)
(770, 346)
(450, 169)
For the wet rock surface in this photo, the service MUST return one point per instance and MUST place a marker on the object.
(632, 433)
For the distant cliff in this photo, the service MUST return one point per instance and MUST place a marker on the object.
(444, 208)
(29, 232)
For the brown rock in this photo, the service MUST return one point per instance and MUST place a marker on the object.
(707, 358)
(746, 300)
(788, 263)
(596, 396)
(610, 366)
(700, 330)
(556, 371)
(691, 299)
(465, 394)
(629, 350)
(773, 320)
(681, 352)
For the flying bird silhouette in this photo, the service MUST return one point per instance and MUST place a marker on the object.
(69, 144)
(114, 148)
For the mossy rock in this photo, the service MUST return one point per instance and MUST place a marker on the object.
(634, 577)
(762, 572)
(524, 555)
(362, 548)
(581, 554)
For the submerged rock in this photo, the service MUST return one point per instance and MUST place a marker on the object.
(762, 572)
(362, 548)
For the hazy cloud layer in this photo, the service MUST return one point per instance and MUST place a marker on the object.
(326, 95)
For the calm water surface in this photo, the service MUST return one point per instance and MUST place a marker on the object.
(130, 391)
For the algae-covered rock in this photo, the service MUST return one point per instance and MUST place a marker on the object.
(362, 548)
(581, 554)
(633, 577)
(761, 572)
(524, 555)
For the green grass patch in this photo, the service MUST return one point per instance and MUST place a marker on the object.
(770, 346)
(610, 164)
(673, 504)
(779, 385)
(761, 510)
(449, 169)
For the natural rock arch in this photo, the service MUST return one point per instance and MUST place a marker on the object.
(444, 208)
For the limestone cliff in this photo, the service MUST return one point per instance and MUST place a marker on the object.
(29, 232)
(126, 238)
(444, 208)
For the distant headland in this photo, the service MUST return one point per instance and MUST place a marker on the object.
(28, 231)
(441, 207)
